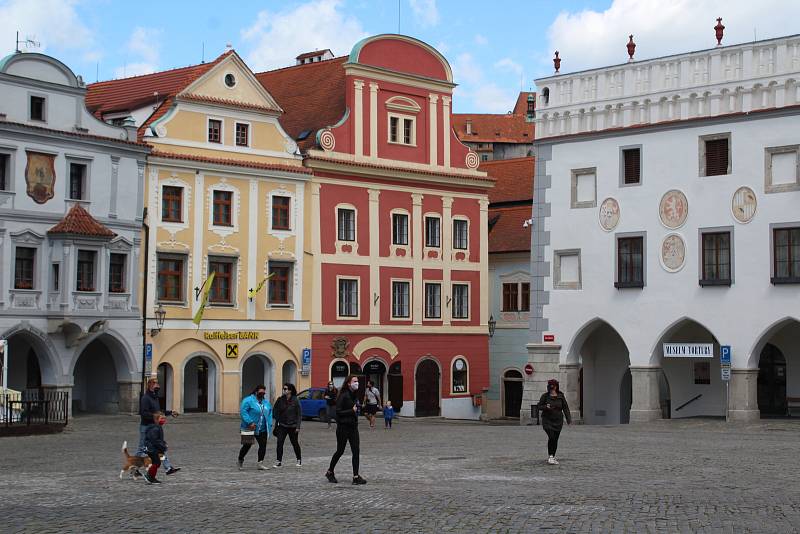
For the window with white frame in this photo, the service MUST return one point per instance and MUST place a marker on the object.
(5, 172)
(401, 297)
(402, 130)
(281, 212)
(85, 279)
(399, 228)
(24, 263)
(242, 134)
(433, 231)
(348, 297)
(346, 224)
(116, 272)
(460, 376)
(584, 188)
(433, 301)
(782, 168)
(460, 301)
(78, 181)
(460, 234)
(214, 131)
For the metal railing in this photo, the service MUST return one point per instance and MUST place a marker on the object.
(33, 411)
(682, 406)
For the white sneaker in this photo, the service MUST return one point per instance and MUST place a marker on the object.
(277, 465)
(263, 467)
(299, 463)
(552, 460)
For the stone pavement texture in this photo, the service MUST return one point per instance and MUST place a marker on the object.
(424, 476)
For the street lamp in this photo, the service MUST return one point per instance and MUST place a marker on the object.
(492, 325)
(160, 314)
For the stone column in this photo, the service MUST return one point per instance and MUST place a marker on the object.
(743, 400)
(129, 397)
(358, 117)
(570, 386)
(645, 406)
(544, 358)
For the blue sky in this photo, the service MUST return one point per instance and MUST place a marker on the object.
(496, 48)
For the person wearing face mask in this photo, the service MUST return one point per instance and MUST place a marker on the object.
(256, 416)
(287, 422)
(330, 402)
(148, 405)
(346, 428)
(156, 446)
(553, 406)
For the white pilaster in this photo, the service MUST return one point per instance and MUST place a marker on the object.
(299, 246)
(316, 311)
(373, 120)
(197, 247)
(416, 254)
(252, 245)
(447, 253)
(152, 221)
(374, 254)
(484, 259)
(433, 139)
(358, 117)
(446, 129)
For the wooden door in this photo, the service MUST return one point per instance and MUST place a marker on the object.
(772, 382)
(395, 393)
(427, 389)
(512, 392)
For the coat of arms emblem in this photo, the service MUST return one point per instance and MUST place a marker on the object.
(339, 346)
(40, 175)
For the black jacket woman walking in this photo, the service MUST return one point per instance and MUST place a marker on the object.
(346, 428)
(288, 416)
(553, 407)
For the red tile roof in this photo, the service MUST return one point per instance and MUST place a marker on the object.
(513, 179)
(79, 222)
(312, 96)
(103, 138)
(230, 103)
(506, 230)
(228, 161)
(493, 128)
(521, 107)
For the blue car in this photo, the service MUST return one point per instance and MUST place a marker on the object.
(312, 403)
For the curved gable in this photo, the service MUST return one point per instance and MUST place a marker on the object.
(38, 67)
(402, 54)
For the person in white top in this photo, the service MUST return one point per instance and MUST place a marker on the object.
(372, 403)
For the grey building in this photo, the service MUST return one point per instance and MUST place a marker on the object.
(71, 193)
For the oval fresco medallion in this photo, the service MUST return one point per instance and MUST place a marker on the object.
(744, 204)
(609, 214)
(673, 253)
(673, 209)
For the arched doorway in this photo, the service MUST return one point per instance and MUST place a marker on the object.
(395, 386)
(604, 393)
(25, 362)
(426, 380)
(512, 393)
(772, 382)
(257, 370)
(375, 370)
(339, 371)
(199, 385)
(165, 395)
(289, 372)
(95, 388)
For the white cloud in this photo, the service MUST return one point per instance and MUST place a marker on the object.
(277, 38)
(509, 65)
(144, 45)
(425, 12)
(53, 23)
(481, 40)
(588, 39)
(475, 94)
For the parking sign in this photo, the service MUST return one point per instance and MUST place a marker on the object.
(725, 354)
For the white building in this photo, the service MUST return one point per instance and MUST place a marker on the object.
(667, 210)
(71, 191)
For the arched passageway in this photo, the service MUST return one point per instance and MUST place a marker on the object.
(200, 384)
(257, 370)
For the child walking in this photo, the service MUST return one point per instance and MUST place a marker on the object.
(388, 415)
(156, 446)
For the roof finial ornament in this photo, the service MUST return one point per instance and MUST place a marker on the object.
(719, 29)
(557, 62)
(631, 48)
(228, 47)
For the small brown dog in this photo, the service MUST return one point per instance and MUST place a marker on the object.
(131, 464)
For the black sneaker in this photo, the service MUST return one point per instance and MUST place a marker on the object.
(240, 464)
(331, 478)
(173, 470)
(151, 480)
(357, 480)
(137, 475)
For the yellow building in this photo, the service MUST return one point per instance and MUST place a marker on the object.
(226, 193)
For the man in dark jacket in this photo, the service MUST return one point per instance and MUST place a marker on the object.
(148, 405)
(288, 416)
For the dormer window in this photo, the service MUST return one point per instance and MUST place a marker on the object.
(402, 130)
(37, 109)
(230, 81)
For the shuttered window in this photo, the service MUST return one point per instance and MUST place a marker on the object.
(717, 154)
(631, 165)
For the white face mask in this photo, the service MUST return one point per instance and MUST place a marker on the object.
(354, 385)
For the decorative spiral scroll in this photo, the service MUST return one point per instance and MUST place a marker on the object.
(326, 140)
(472, 160)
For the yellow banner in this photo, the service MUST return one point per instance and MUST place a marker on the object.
(206, 290)
(251, 294)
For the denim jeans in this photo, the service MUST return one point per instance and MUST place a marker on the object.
(142, 450)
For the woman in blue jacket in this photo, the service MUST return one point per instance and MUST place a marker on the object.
(256, 414)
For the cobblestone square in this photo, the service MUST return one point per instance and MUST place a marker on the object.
(424, 476)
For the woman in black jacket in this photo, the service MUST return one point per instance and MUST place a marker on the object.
(288, 416)
(553, 407)
(346, 428)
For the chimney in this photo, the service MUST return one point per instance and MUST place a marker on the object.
(469, 126)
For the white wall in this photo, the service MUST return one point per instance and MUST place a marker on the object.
(458, 408)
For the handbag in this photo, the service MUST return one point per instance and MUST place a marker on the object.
(248, 437)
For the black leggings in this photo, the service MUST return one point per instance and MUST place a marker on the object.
(281, 432)
(345, 433)
(262, 447)
(552, 440)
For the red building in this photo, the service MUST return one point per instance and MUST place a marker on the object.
(400, 221)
